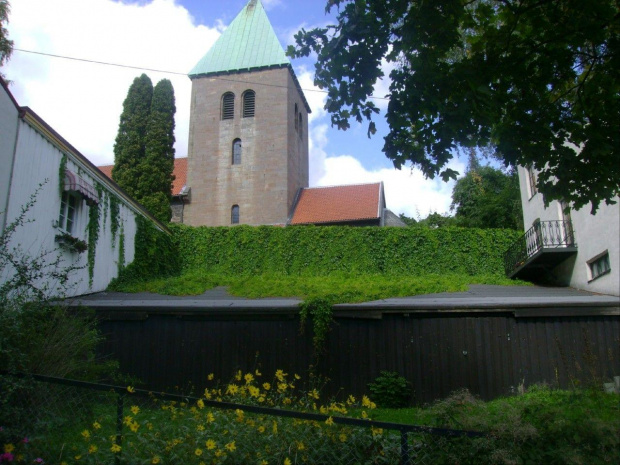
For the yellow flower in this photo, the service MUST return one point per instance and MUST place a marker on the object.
(85, 433)
(219, 453)
(329, 421)
(264, 462)
(200, 428)
(8, 448)
(365, 401)
(248, 378)
(135, 409)
(232, 389)
(300, 445)
(314, 394)
(128, 420)
(198, 452)
(92, 449)
(258, 373)
(280, 375)
(297, 376)
(266, 386)
(131, 389)
(238, 375)
(282, 387)
(210, 418)
(261, 399)
(96, 425)
(210, 444)
(77, 457)
(230, 446)
(342, 437)
(239, 415)
(210, 376)
(254, 391)
(261, 429)
(134, 426)
(351, 400)
(275, 428)
(364, 414)
(287, 461)
(155, 460)
(115, 448)
(376, 431)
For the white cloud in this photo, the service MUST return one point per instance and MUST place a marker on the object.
(315, 97)
(83, 101)
(406, 190)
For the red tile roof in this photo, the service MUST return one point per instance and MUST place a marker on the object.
(180, 173)
(339, 204)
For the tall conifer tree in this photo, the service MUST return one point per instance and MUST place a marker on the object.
(156, 168)
(130, 143)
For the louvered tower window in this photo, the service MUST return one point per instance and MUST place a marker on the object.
(249, 100)
(234, 214)
(228, 105)
(236, 152)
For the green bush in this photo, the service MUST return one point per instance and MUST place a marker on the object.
(390, 390)
(319, 251)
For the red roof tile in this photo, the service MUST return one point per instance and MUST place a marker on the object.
(180, 173)
(338, 204)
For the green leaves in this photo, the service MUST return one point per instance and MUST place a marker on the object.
(144, 149)
(536, 78)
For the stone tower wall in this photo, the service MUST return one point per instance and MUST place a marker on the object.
(274, 160)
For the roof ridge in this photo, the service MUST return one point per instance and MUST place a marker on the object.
(345, 185)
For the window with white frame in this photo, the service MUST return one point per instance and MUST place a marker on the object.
(69, 206)
(599, 265)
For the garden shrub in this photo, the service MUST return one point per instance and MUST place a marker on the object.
(390, 390)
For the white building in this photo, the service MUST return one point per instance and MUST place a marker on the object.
(577, 248)
(74, 202)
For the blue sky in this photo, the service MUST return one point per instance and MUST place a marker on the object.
(83, 101)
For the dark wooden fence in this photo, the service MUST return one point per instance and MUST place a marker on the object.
(489, 352)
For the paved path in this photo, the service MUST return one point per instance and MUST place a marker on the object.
(478, 296)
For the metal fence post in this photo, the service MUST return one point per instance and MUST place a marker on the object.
(404, 448)
(119, 426)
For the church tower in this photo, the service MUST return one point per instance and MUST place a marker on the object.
(248, 135)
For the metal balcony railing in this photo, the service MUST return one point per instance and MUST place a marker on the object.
(543, 235)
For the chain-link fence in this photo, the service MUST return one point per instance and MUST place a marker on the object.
(59, 421)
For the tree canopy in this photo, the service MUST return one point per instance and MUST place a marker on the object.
(144, 148)
(6, 45)
(536, 79)
(486, 197)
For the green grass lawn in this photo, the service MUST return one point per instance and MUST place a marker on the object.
(338, 287)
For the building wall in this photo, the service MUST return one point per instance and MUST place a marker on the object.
(36, 169)
(8, 134)
(594, 235)
(274, 161)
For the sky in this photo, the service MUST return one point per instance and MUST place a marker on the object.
(83, 101)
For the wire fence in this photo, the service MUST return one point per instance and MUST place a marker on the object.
(60, 421)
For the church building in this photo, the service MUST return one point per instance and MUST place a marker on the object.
(247, 157)
(248, 136)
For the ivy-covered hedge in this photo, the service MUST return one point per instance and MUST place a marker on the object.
(316, 250)
(156, 255)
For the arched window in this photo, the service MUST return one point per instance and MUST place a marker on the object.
(249, 100)
(236, 152)
(296, 115)
(228, 105)
(234, 214)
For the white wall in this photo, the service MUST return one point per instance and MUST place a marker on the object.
(37, 163)
(594, 234)
(8, 134)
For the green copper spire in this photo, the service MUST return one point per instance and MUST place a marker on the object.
(248, 43)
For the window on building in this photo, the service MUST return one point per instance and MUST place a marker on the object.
(300, 126)
(234, 214)
(228, 105)
(249, 100)
(296, 116)
(236, 152)
(68, 211)
(599, 265)
(531, 176)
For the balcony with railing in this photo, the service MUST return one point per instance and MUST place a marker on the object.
(544, 246)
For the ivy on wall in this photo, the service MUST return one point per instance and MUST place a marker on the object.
(316, 250)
